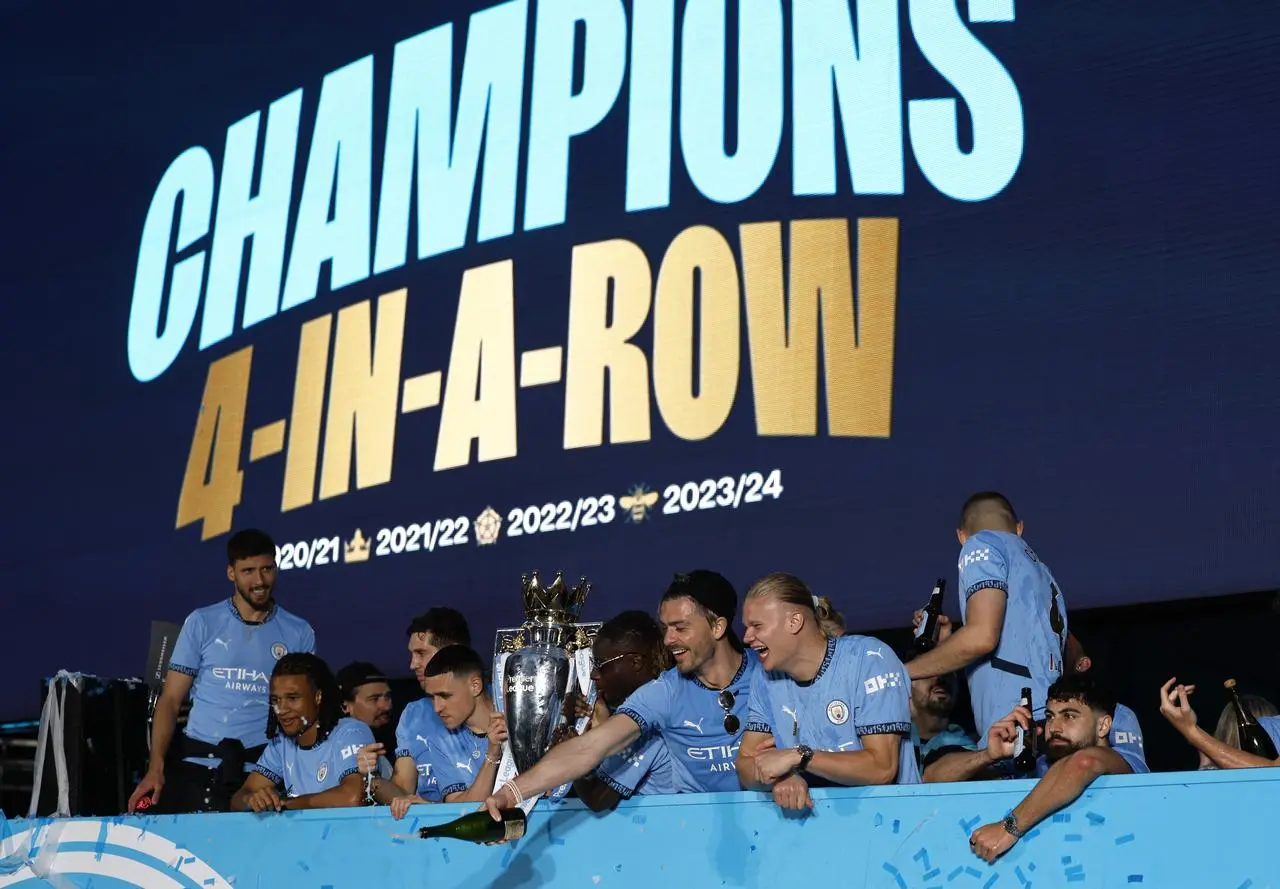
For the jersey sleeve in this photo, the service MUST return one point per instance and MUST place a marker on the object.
(404, 733)
(624, 771)
(983, 565)
(649, 706)
(348, 738)
(308, 639)
(883, 693)
(191, 641)
(759, 717)
(270, 764)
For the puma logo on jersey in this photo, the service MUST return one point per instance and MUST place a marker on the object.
(695, 725)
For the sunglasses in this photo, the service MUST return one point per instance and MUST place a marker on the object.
(731, 722)
(617, 657)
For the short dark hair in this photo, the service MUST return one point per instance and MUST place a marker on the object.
(460, 660)
(249, 543)
(987, 505)
(446, 626)
(638, 632)
(1083, 688)
(320, 677)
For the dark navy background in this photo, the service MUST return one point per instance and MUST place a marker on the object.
(1097, 341)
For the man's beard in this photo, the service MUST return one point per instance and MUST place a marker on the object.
(1055, 752)
(251, 597)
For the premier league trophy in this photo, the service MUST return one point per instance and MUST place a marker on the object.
(539, 663)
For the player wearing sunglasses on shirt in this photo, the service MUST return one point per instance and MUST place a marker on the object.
(825, 711)
(697, 708)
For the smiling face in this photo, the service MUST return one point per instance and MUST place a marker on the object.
(1072, 725)
(689, 633)
(254, 579)
(772, 630)
(296, 703)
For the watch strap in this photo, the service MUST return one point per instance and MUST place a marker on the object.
(806, 756)
(1010, 824)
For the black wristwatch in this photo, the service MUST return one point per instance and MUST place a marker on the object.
(1010, 824)
(806, 755)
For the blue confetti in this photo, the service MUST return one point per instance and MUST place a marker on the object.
(896, 876)
(639, 819)
(1061, 817)
(878, 820)
(753, 847)
(1030, 834)
(617, 868)
(896, 823)
(1066, 859)
(1135, 878)
(1127, 838)
(396, 841)
(955, 873)
(211, 881)
(1075, 878)
(191, 860)
(413, 828)
(1017, 872)
(1031, 865)
(101, 846)
(1095, 818)
(324, 835)
(1074, 870)
(1072, 838)
(973, 872)
(991, 882)
(303, 865)
(968, 826)
(931, 874)
(1245, 885)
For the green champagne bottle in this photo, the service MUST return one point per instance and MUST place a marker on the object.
(479, 827)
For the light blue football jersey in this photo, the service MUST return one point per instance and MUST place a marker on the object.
(688, 717)
(1029, 654)
(447, 761)
(231, 662)
(643, 768)
(861, 688)
(313, 770)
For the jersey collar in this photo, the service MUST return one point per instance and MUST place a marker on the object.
(231, 604)
(742, 668)
(826, 662)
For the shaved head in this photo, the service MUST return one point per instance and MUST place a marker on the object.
(988, 511)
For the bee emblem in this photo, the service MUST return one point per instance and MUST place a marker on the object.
(637, 502)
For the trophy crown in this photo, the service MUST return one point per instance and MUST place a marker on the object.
(557, 603)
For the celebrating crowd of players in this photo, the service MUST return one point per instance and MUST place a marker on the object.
(684, 704)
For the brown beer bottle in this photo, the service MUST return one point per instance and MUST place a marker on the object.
(1025, 749)
(1253, 737)
(927, 633)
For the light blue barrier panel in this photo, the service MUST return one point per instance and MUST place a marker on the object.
(1215, 830)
